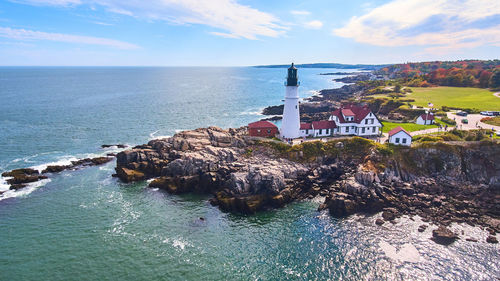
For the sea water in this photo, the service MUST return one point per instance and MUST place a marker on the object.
(86, 225)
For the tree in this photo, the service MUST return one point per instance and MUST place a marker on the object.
(495, 79)
(484, 78)
(397, 88)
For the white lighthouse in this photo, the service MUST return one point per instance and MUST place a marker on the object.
(290, 125)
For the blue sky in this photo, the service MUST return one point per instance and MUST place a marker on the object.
(245, 32)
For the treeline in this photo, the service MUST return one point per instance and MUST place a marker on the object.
(466, 73)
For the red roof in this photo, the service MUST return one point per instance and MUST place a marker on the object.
(305, 126)
(426, 116)
(323, 124)
(261, 125)
(359, 113)
(397, 130)
(347, 112)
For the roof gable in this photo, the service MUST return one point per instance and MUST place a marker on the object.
(359, 113)
(261, 124)
(397, 130)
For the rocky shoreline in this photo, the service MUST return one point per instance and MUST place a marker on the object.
(20, 178)
(441, 182)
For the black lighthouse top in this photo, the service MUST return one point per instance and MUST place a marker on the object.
(293, 78)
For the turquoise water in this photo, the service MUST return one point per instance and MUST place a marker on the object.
(85, 225)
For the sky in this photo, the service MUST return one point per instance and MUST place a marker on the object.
(245, 32)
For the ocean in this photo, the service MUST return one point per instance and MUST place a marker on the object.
(86, 225)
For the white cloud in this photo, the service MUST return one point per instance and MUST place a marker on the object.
(229, 17)
(49, 2)
(443, 24)
(300, 13)
(315, 24)
(29, 35)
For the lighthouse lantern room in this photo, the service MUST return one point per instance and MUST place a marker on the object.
(290, 125)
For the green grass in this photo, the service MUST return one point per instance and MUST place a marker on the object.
(410, 127)
(455, 97)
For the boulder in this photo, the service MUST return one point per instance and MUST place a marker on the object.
(443, 236)
(379, 222)
(492, 239)
(128, 175)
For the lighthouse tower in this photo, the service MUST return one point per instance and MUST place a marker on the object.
(290, 125)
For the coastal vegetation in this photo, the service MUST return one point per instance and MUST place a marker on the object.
(495, 121)
(454, 135)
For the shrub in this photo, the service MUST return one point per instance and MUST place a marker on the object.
(448, 121)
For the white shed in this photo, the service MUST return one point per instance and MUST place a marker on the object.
(399, 136)
(425, 119)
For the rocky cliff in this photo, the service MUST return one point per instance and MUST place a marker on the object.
(441, 182)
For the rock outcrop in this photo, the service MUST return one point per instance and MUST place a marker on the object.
(439, 182)
(243, 177)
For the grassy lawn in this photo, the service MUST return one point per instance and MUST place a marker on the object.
(410, 127)
(455, 97)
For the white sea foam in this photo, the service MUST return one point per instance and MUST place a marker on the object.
(153, 136)
(179, 244)
(252, 111)
(23, 191)
(64, 160)
(407, 253)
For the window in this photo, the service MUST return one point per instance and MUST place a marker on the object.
(397, 140)
(307, 131)
(327, 131)
(373, 121)
(268, 131)
(373, 129)
(295, 107)
(363, 130)
(320, 131)
(366, 121)
(404, 140)
(347, 129)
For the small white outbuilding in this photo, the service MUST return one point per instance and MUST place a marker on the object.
(399, 136)
(425, 119)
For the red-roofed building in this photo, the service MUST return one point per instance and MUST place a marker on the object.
(399, 136)
(262, 129)
(356, 120)
(425, 119)
(323, 128)
(306, 129)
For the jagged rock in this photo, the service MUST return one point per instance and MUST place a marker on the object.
(443, 236)
(17, 172)
(56, 168)
(471, 239)
(422, 228)
(379, 222)
(177, 185)
(128, 175)
(492, 239)
(389, 215)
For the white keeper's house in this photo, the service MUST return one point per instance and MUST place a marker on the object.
(356, 120)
